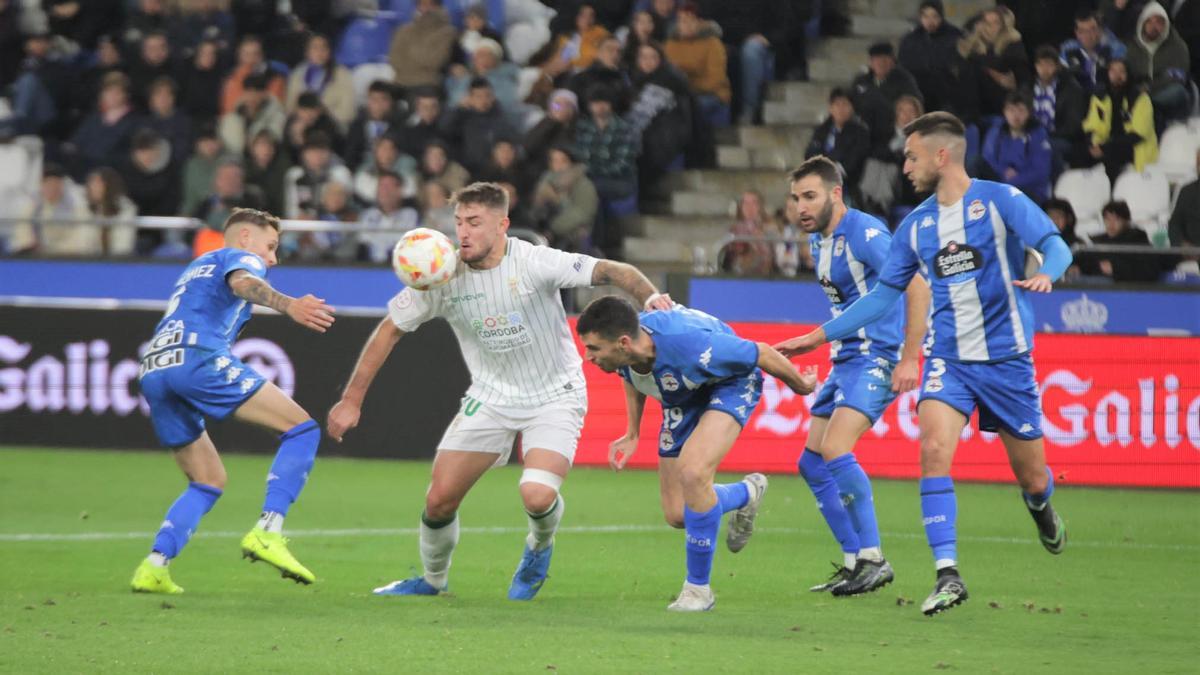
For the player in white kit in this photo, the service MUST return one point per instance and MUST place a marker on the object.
(505, 308)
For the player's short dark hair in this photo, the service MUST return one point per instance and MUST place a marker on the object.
(1046, 53)
(610, 317)
(936, 122)
(821, 166)
(251, 217)
(491, 195)
(1119, 208)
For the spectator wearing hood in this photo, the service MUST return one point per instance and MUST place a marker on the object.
(1159, 57)
(421, 48)
(1017, 149)
(930, 53)
(1120, 124)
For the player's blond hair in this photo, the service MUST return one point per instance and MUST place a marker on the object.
(490, 195)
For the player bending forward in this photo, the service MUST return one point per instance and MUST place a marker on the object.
(527, 379)
(709, 382)
(188, 373)
(969, 240)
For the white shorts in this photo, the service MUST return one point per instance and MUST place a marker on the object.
(481, 427)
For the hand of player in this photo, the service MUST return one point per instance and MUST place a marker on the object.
(906, 376)
(620, 450)
(659, 301)
(801, 345)
(1038, 283)
(311, 312)
(343, 417)
(808, 381)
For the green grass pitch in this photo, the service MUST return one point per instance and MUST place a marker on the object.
(1123, 598)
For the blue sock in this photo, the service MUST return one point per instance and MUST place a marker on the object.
(293, 461)
(732, 496)
(701, 531)
(939, 510)
(820, 481)
(184, 517)
(1036, 502)
(855, 489)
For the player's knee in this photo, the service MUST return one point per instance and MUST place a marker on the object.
(537, 498)
(441, 505)
(1033, 480)
(674, 518)
(694, 477)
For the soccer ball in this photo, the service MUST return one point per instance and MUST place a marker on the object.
(424, 259)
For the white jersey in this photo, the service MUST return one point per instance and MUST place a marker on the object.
(510, 324)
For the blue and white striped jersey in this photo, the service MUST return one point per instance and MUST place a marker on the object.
(203, 311)
(971, 252)
(848, 264)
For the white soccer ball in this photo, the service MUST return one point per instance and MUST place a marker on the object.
(424, 259)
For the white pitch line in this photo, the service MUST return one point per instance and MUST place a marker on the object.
(575, 529)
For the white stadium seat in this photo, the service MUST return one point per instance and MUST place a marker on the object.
(1177, 154)
(1088, 191)
(1148, 194)
(367, 73)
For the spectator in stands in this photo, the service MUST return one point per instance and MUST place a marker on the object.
(436, 211)
(422, 126)
(578, 48)
(503, 167)
(337, 206)
(57, 199)
(843, 138)
(170, 123)
(36, 96)
(152, 175)
(883, 185)
(475, 31)
(1017, 149)
(10, 41)
(258, 111)
(1059, 106)
(385, 158)
(473, 127)
(266, 169)
(663, 14)
(753, 31)
(83, 22)
(699, 54)
(486, 63)
(200, 167)
(436, 166)
(152, 62)
(556, 128)
(1184, 226)
(641, 32)
(320, 75)
(201, 20)
(876, 91)
(752, 257)
(303, 183)
(1160, 57)
(930, 53)
(1185, 20)
(1062, 214)
(565, 202)
(201, 79)
(519, 216)
(605, 70)
(251, 61)
(378, 117)
(105, 194)
(150, 16)
(74, 92)
(1118, 231)
(422, 48)
(229, 190)
(608, 147)
(1121, 16)
(102, 139)
(1120, 123)
(1086, 57)
(661, 115)
(996, 62)
(310, 117)
(390, 213)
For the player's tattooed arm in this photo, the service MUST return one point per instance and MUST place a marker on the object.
(308, 311)
(631, 280)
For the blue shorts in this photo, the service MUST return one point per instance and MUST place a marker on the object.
(1006, 393)
(737, 397)
(863, 383)
(183, 386)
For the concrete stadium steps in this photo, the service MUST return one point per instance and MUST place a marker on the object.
(725, 182)
(644, 250)
(699, 229)
(698, 203)
(891, 9)
(882, 27)
(836, 70)
(780, 158)
(768, 136)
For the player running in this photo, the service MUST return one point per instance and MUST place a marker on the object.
(188, 372)
(850, 248)
(969, 240)
(708, 381)
(527, 378)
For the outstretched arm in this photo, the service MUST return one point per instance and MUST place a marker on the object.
(629, 279)
(308, 311)
(344, 415)
(863, 311)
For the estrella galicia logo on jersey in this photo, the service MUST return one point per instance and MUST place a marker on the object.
(668, 382)
(835, 296)
(253, 261)
(976, 210)
(957, 258)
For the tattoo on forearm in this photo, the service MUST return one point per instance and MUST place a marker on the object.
(255, 290)
(623, 276)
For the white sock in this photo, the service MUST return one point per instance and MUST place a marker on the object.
(943, 563)
(848, 560)
(872, 553)
(542, 526)
(157, 559)
(437, 545)
(271, 522)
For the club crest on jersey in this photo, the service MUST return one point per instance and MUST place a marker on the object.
(934, 384)
(956, 259)
(668, 382)
(839, 246)
(835, 296)
(666, 440)
(976, 210)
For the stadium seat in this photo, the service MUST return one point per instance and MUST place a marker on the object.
(1087, 190)
(367, 73)
(1177, 154)
(1148, 194)
(365, 40)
